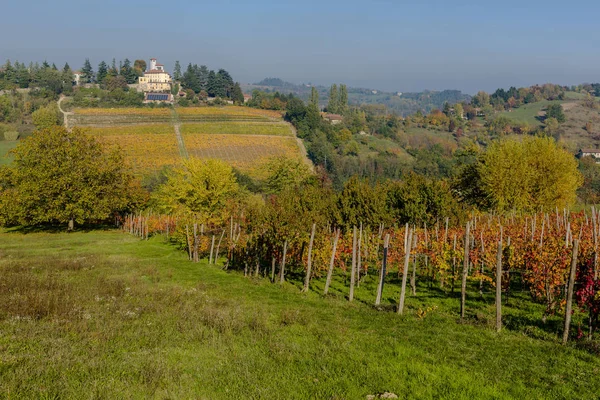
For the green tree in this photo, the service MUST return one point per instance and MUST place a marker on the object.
(61, 176)
(87, 71)
(237, 95)
(128, 72)
(314, 97)
(177, 71)
(201, 187)
(555, 111)
(102, 72)
(139, 66)
(286, 173)
(333, 105)
(46, 117)
(360, 202)
(343, 103)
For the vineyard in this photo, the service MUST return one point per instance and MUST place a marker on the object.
(148, 135)
(146, 152)
(550, 257)
(238, 128)
(118, 116)
(245, 152)
(116, 131)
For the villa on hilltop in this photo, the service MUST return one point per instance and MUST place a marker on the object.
(155, 79)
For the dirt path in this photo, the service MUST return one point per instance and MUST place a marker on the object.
(302, 148)
(64, 113)
(177, 125)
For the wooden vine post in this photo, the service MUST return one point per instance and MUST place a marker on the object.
(463, 288)
(569, 307)
(499, 287)
(405, 272)
(386, 245)
(309, 262)
(353, 267)
(331, 261)
(282, 269)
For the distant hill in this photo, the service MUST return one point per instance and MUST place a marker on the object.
(401, 103)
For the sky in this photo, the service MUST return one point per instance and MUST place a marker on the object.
(380, 44)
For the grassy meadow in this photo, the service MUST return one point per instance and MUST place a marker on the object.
(104, 315)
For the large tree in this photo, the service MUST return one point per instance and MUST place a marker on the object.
(199, 187)
(529, 175)
(102, 71)
(87, 71)
(66, 177)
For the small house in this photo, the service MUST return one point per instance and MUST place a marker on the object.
(589, 153)
(333, 119)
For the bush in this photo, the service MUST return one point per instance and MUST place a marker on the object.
(11, 135)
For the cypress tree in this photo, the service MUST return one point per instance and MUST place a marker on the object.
(334, 100)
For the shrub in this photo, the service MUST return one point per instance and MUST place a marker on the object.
(11, 135)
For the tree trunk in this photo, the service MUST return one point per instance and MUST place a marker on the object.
(569, 306)
(331, 261)
(405, 273)
(309, 262)
(71, 225)
(463, 289)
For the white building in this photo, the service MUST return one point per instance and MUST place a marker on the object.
(155, 79)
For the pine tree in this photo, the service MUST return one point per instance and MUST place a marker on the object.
(102, 72)
(177, 71)
(113, 71)
(333, 104)
(87, 71)
(314, 97)
(127, 72)
(211, 84)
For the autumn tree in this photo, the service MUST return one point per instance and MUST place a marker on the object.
(286, 173)
(201, 187)
(61, 176)
(46, 117)
(529, 175)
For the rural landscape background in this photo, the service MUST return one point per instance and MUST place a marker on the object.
(330, 212)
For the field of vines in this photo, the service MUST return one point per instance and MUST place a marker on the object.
(552, 258)
(238, 128)
(125, 130)
(247, 153)
(118, 116)
(146, 152)
(232, 112)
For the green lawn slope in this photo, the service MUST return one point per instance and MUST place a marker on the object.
(103, 315)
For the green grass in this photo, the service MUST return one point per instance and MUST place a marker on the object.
(5, 147)
(104, 315)
(528, 112)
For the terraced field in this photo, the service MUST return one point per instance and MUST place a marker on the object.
(244, 137)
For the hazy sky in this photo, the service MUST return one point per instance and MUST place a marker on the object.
(388, 45)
